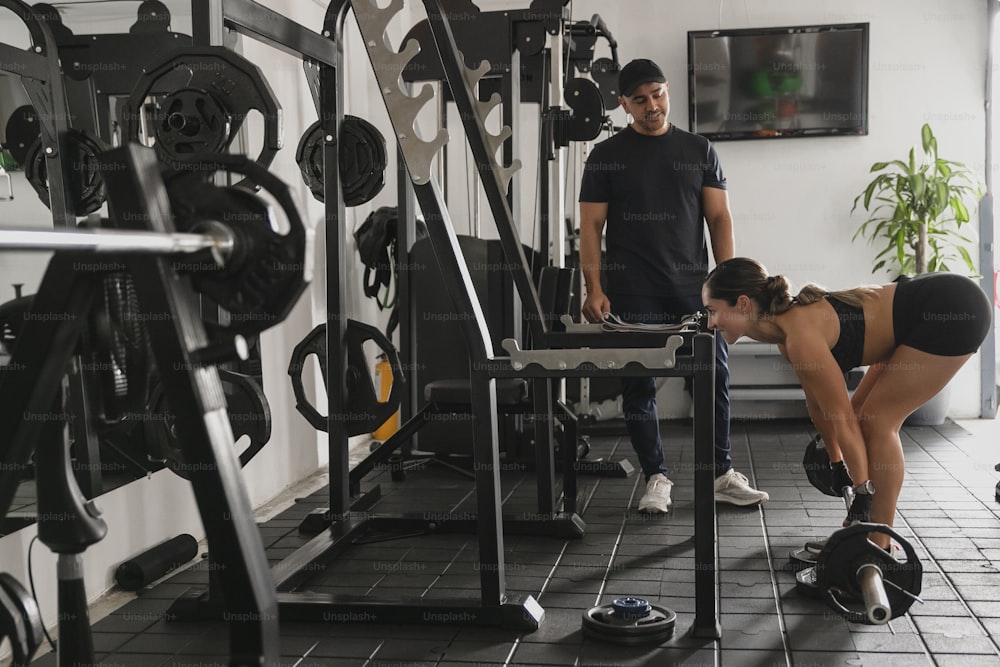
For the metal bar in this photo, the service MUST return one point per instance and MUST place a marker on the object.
(23, 63)
(112, 241)
(397, 440)
(206, 23)
(339, 264)
(571, 439)
(407, 233)
(706, 617)
(486, 457)
(467, 105)
(86, 445)
(877, 606)
(266, 25)
(987, 232)
(545, 475)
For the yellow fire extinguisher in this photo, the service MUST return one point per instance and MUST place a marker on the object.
(384, 372)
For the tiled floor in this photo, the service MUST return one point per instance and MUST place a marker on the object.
(947, 510)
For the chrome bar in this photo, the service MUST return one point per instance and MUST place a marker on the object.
(220, 242)
(877, 606)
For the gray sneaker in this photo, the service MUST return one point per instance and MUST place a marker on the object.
(657, 498)
(734, 488)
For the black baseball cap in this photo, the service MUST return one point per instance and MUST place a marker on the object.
(636, 73)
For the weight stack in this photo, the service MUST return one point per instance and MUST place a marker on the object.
(150, 565)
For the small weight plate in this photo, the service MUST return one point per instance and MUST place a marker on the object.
(605, 624)
(631, 608)
(801, 558)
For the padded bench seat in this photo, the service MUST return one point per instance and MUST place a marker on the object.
(510, 392)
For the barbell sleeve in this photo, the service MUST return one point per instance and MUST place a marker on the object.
(877, 605)
(220, 242)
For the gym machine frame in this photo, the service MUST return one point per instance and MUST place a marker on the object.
(495, 607)
(515, 46)
(184, 357)
(323, 61)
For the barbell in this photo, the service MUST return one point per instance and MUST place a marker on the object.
(218, 239)
(860, 580)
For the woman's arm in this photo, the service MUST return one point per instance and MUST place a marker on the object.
(828, 401)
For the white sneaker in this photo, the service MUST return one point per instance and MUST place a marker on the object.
(657, 498)
(734, 488)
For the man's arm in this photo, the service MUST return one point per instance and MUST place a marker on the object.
(593, 215)
(720, 223)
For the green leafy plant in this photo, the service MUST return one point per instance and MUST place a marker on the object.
(917, 208)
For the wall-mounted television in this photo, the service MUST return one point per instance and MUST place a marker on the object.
(801, 81)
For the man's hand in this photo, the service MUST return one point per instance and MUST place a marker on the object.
(595, 305)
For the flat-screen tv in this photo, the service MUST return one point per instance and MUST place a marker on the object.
(801, 81)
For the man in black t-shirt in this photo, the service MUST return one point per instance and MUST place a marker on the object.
(655, 186)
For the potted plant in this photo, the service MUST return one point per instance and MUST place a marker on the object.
(917, 208)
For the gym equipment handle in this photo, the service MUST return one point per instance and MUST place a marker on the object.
(219, 240)
(877, 605)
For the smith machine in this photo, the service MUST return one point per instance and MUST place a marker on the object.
(577, 352)
(556, 355)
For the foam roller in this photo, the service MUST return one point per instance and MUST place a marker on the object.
(155, 562)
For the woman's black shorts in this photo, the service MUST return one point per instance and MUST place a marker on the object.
(941, 313)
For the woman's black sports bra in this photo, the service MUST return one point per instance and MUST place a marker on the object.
(850, 347)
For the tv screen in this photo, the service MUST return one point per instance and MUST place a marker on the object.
(801, 81)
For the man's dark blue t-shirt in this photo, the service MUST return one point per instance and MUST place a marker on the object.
(655, 230)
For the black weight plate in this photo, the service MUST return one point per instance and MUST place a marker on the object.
(309, 157)
(190, 121)
(365, 412)
(849, 548)
(313, 343)
(86, 184)
(248, 411)
(361, 156)
(816, 463)
(20, 620)
(584, 98)
(234, 84)
(604, 624)
(153, 17)
(266, 273)
(362, 160)
(21, 131)
(801, 558)
(805, 582)
(604, 71)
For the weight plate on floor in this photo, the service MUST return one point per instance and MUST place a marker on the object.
(801, 558)
(605, 623)
(847, 551)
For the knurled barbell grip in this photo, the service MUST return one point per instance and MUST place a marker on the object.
(877, 606)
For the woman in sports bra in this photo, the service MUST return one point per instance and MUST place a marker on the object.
(913, 336)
